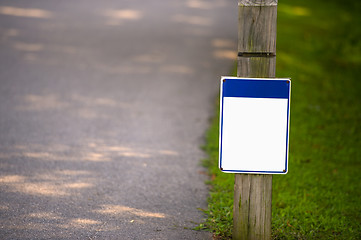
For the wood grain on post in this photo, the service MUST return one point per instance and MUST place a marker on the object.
(252, 210)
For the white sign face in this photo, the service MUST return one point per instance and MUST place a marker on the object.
(254, 125)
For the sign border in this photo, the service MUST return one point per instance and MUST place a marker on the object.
(224, 78)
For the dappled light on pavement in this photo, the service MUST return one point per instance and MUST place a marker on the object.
(198, 4)
(81, 222)
(123, 210)
(28, 47)
(224, 43)
(117, 17)
(92, 151)
(42, 103)
(8, 33)
(102, 114)
(195, 20)
(224, 54)
(124, 14)
(40, 185)
(45, 215)
(205, 5)
(224, 49)
(25, 12)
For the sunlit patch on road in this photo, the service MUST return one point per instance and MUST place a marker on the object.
(117, 17)
(25, 12)
(205, 5)
(28, 47)
(45, 215)
(223, 43)
(168, 152)
(34, 188)
(11, 179)
(52, 186)
(33, 102)
(194, 20)
(90, 151)
(198, 4)
(224, 48)
(83, 221)
(124, 210)
(9, 33)
(225, 54)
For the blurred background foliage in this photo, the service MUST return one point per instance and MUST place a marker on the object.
(319, 47)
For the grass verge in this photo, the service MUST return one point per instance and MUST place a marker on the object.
(319, 47)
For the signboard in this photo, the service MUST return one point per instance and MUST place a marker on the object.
(254, 125)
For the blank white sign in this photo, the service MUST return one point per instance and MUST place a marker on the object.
(254, 135)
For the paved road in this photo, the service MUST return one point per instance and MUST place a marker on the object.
(103, 107)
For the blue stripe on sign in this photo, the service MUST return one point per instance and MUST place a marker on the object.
(256, 88)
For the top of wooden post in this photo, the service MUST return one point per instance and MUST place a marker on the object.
(253, 3)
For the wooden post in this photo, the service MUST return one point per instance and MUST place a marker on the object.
(257, 23)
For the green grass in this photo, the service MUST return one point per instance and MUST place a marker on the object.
(319, 47)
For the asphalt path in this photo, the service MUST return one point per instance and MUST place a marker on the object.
(103, 109)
